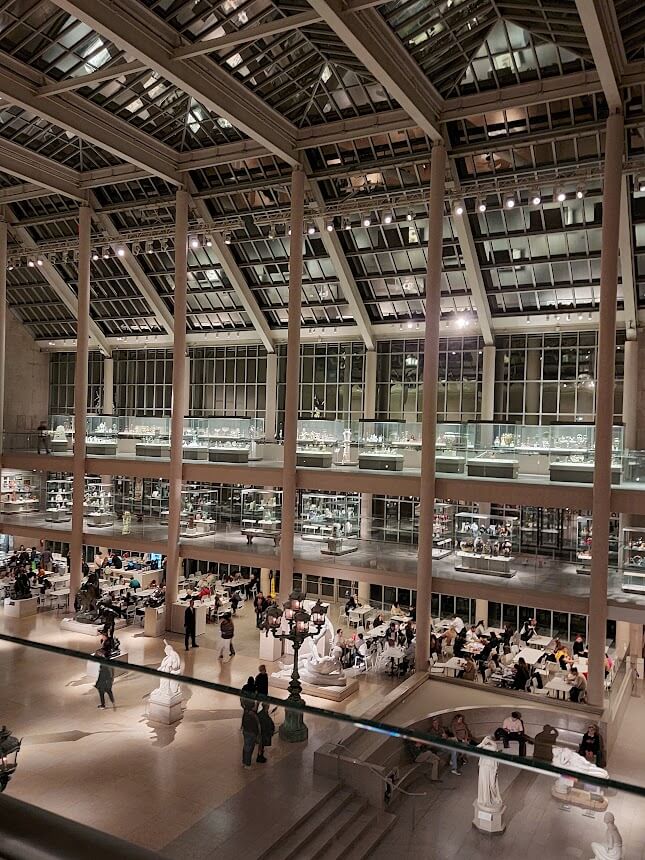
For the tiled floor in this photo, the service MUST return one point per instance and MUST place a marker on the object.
(181, 789)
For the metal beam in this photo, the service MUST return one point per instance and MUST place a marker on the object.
(369, 38)
(464, 232)
(57, 283)
(235, 276)
(141, 33)
(54, 178)
(603, 38)
(346, 279)
(19, 86)
(626, 250)
(109, 73)
(129, 262)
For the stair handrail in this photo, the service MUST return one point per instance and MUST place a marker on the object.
(378, 773)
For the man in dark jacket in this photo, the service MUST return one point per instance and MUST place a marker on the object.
(262, 681)
(252, 734)
(227, 631)
(104, 685)
(190, 625)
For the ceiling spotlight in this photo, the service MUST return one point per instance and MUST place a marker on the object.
(408, 217)
(209, 243)
(367, 221)
(462, 322)
(272, 233)
(509, 201)
(39, 261)
(459, 208)
(194, 242)
(227, 237)
(10, 268)
(106, 253)
(580, 192)
(348, 224)
(536, 199)
(95, 256)
(120, 251)
(329, 227)
(559, 195)
(311, 229)
(641, 183)
(388, 218)
(481, 206)
(31, 264)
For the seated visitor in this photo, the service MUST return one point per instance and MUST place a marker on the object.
(578, 691)
(528, 630)
(351, 604)
(361, 651)
(609, 663)
(591, 745)
(480, 628)
(513, 730)
(469, 672)
(134, 583)
(472, 635)
(563, 656)
(522, 675)
(396, 610)
(579, 648)
(436, 730)
(378, 621)
(507, 635)
(458, 646)
(460, 731)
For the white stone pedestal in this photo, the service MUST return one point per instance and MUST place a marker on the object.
(270, 648)
(488, 820)
(20, 608)
(154, 621)
(164, 709)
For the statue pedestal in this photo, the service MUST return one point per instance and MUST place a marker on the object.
(71, 625)
(154, 621)
(164, 709)
(20, 608)
(270, 648)
(488, 820)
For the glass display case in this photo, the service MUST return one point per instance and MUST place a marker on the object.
(486, 543)
(634, 467)
(98, 502)
(157, 501)
(633, 559)
(319, 512)
(234, 440)
(533, 438)
(59, 500)
(380, 444)
(151, 435)
(102, 435)
(262, 514)
(198, 511)
(491, 450)
(584, 541)
(572, 453)
(450, 448)
(61, 431)
(540, 529)
(322, 442)
(443, 529)
(20, 493)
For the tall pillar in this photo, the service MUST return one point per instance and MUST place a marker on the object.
(187, 384)
(630, 394)
(369, 412)
(488, 384)
(179, 400)
(430, 385)
(3, 316)
(108, 385)
(601, 509)
(293, 379)
(80, 396)
(271, 401)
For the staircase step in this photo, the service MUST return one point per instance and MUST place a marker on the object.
(376, 831)
(292, 842)
(336, 828)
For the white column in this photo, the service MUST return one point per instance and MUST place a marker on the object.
(363, 592)
(108, 385)
(271, 400)
(369, 412)
(293, 379)
(601, 510)
(488, 384)
(3, 317)
(187, 385)
(430, 385)
(80, 396)
(481, 611)
(630, 395)
(179, 400)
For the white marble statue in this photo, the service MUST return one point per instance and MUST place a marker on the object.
(488, 796)
(612, 847)
(168, 688)
(324, 671)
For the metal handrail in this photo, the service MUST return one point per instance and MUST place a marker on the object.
(385, 779)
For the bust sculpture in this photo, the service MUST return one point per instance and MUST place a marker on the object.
(168, 688)
(612, 847)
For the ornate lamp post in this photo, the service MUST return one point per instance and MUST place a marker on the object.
(293, 729)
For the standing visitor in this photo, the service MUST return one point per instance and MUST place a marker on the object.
(104, 685)
(267, 730)
(251, 733)
(227, 631)
(190, 625)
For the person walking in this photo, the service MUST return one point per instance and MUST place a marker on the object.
(190, 625)
(104, 685)
(267, 730)
(43, 438)
(260, 604)
(226, 631)
(251, 733)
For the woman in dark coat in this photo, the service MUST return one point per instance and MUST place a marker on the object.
(104, 684)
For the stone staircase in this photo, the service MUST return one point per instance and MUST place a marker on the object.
(343, 825)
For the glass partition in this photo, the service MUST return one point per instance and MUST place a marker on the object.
(61, 433)
(20, 492)
(487, 543)
(261, 514)
(322, 442)
(98, 502)
(59, 500)
(235, 440)
(103, 435)
(380, 445)
(198, 510)
(450, 448)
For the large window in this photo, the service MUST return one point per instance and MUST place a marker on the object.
(142, 382)
(399, 390)
(62, 367)
(228, 381)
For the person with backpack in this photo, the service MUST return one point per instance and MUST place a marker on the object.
(267, 730)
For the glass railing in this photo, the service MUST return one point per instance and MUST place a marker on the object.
(185, 764)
